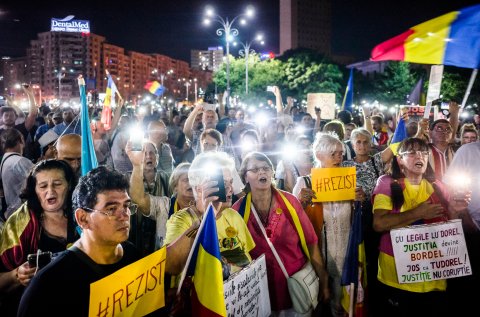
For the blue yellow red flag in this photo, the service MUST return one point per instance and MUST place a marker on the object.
(206, 268)
(451, 39)
(155, 88)
(399, 135)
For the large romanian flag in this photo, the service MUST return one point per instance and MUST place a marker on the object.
(451, 39)
(206, 268)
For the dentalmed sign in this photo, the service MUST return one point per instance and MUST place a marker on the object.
(68, 24)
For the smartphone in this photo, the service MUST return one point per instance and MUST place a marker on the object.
(218, 176)
(44, 258)
(209, 107)
(270, 88)
(136, 138)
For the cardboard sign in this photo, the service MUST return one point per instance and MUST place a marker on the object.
(434, 83)
(135, 290)
(430, 252)
(334, 184)
(324, 101)
(246, 292)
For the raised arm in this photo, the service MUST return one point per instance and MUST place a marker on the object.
(188, 127)
(454, 110)
(33, 110)
(367, 113)
(137, 191)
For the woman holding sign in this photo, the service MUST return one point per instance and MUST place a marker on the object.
(332, 219)
(410, 195)
(277, 211)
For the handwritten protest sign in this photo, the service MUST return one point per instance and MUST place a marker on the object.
(246, 292)
(135, 290)
(324, 101)
(334, 184)
(430, 252)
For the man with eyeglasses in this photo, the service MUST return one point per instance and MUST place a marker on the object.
(442, 139)
(102, 211)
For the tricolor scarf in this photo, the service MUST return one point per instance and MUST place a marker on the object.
(290, 213)
(19, 237)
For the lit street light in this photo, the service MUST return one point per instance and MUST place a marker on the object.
(229, 31)
(187, 84)
(196, 93)
(246, 51)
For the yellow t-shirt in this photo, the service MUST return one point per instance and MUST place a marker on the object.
(414, 196)
(234, 239)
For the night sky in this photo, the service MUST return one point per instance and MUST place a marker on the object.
(173, 28)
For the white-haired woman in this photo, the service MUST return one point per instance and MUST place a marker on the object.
(234, 239)
(332, 221)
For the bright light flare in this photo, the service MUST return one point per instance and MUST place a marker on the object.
(250, 12)
(261, 119)
(209, 12)
(289, 151)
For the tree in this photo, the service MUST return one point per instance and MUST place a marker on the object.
(309, 72)
(394, 84)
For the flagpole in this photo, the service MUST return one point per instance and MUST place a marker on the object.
(190, 254)
(469, 88)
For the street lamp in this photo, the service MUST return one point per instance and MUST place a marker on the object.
(187, 84)
(246, 51)
(60, 75)
(229, 31)
(196, 94)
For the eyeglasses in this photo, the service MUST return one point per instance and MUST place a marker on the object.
(116, 210)
(440, 129)
(414, 153)
(255, 170)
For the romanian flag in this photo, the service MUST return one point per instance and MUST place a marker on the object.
(154, 88)
(348, 98)
(354, 274)
(399, 135)
(451, 39)
(206, 268)
(89, 158)
(108, 102)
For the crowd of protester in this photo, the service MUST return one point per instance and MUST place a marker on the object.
(265, 158)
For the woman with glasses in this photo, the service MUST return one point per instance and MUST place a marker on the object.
(275, 209)
(410, 195)
(331, 220)
(43, 223)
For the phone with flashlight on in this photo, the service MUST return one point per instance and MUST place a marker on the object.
(136, 139)
(217, 175)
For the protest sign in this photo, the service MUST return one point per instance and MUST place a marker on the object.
(246, 292)
(430, 252)
(134, 290)
(334, 184)
(324, 101)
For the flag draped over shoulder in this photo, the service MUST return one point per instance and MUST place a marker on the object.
(206, 268)
(108, 102)
(155, 88)
(451, 39)
(354, 278)
(399, 135)
(348, 98)
(89, 159)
